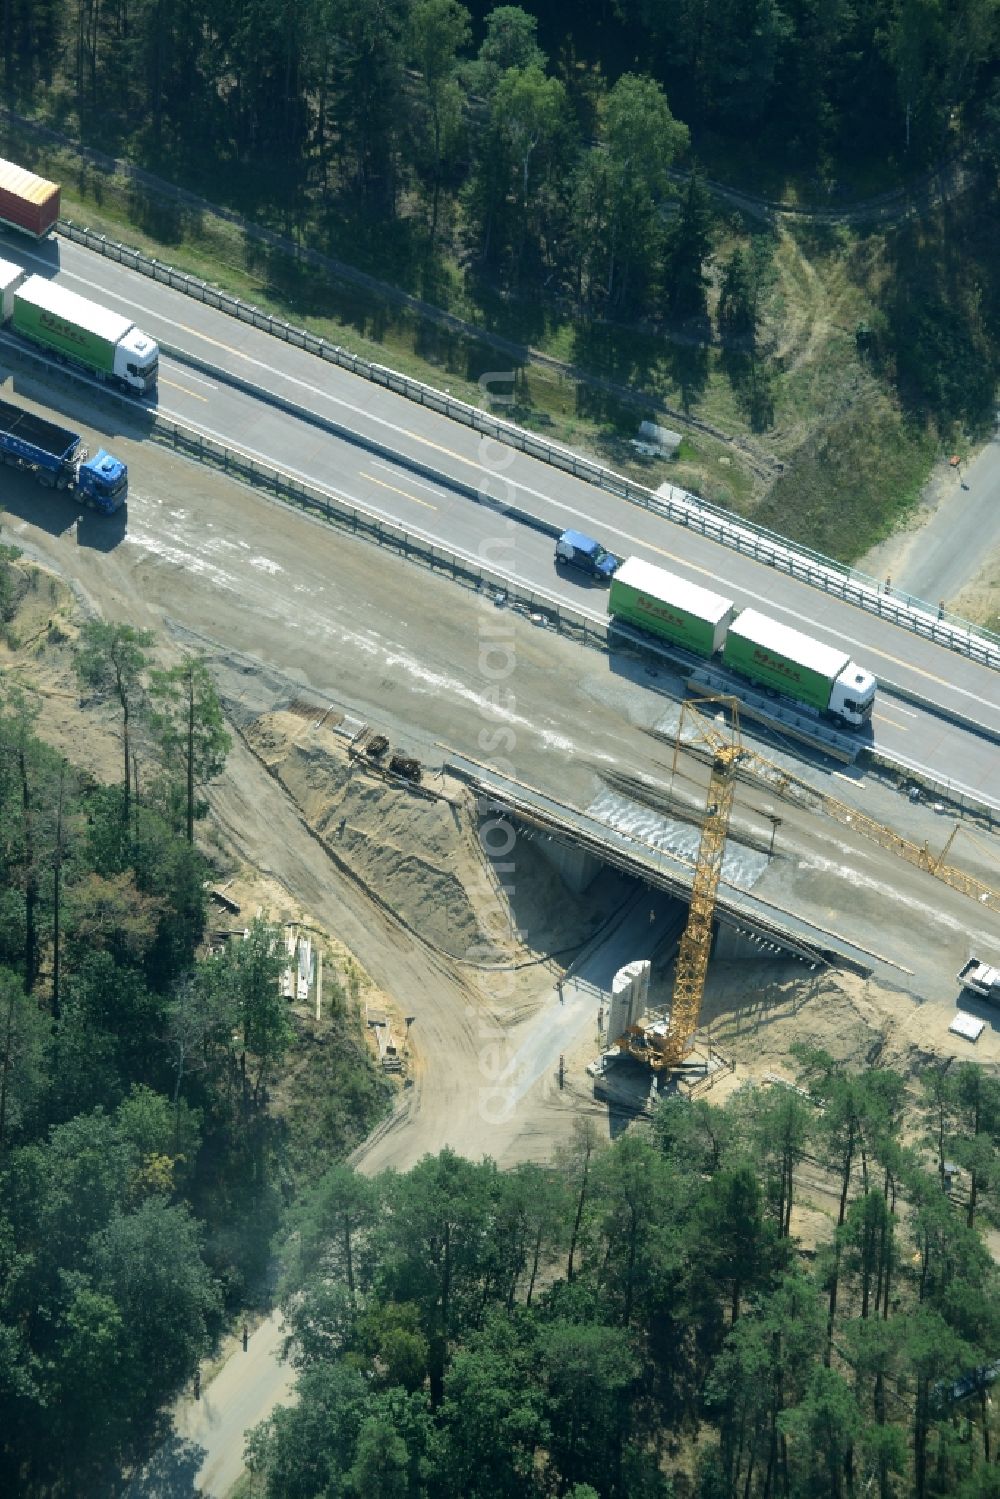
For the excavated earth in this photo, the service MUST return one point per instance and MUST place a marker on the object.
(311, 635)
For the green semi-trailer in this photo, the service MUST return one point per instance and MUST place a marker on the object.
(73, 328)
(777, 656)
(667, 605)
(822, 677)
(36, 322)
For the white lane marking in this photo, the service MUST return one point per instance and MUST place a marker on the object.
(960, 786)
(353, 503)
(765, 598)
(762, 598)
(413, 499)
(189, 374)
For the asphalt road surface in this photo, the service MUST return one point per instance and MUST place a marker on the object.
(960, 535)
(210, 1432)
(346, 468)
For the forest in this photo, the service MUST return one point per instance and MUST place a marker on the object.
(142, 1172)
(638, 1320)
(514, 159)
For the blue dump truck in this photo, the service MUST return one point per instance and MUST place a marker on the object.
(58, 460)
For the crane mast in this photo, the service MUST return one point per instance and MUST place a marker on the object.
(664, 1047)
(696, 943)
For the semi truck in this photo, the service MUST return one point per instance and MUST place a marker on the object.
(778, 658)
(821, 676)
(27, 203)
(57, 458)
(105, 343)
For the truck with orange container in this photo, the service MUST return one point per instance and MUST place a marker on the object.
(27, 202)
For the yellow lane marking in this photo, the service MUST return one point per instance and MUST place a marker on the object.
(919, 671)
(869, 650)
(184, 388)
(242, 354)
(382, 484)
(228, 348)
(896, 725)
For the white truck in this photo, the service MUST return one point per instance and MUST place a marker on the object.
(76, 331)
(982, 979)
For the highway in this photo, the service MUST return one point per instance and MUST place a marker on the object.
(275, 587)
(346, 468)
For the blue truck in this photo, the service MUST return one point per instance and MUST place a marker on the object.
(58, 459)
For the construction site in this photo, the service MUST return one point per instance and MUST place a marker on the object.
(490, 897)
(545, 901)
(667, 934)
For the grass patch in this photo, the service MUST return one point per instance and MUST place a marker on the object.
(854, 481)
(802, 398)
(577, 412)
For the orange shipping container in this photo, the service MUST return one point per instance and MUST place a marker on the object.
(27, 202)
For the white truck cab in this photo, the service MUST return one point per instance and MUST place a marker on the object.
(137, 359)
(982, 979)
(853, 695)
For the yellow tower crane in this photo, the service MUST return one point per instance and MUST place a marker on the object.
(666, 1044)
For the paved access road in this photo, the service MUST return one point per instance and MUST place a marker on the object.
(345, 467)
(949, 550)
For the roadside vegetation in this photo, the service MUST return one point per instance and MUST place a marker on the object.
(519, 170)
(641, 1321)
(143, 1167)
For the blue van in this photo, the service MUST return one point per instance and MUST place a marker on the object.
(573, 549)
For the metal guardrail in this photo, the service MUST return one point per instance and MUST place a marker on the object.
(949, 793)
(412, 544)
(462, 569)
(735, 905)
(470, 572)
(472, 492)
(923, 619)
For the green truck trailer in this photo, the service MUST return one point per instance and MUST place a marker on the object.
(107, 343)
(778, 657)
(661, 602)
(821, 677)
